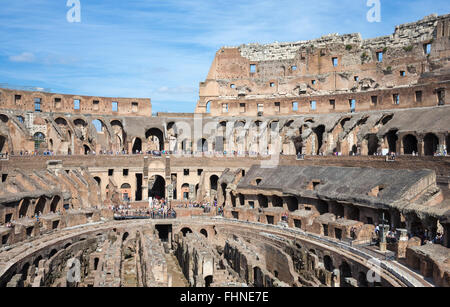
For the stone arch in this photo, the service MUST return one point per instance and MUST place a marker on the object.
(202, 145)
(319, 132)
(86, 149)
(38, 138)
(430, 144)
(346, 272)
(98, 180)
(119, 135)
(204, 232)
(137, 145)
(2, 143)
(292, 203)
(262, 201)
(4, 118)
(362, 279)
(157, 187)
(24, 207)
(372, 144)
(80, 122)
(155, 137)
(409, 144)
(328, 263)
(55, 204)
(447, 141)
(185, 230)
(277, 201)
(392, 139)
(61, 121)
(213, 181)
(40, 205)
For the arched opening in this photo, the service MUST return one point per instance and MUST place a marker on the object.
(99, 181)
(125, 236)
(328, 263)
(4, 118)
(185, 191)
(202, 145)
(257, 277)
(208, 281)
(55, 204)
(119, 135)
(157, 187)
(277, 201)
(137, 146)
(339, 210)
(346, 272)
(125, 190)
(185, 231)
(52, 253)
(213, 184)
(372, 144)
(319, 131)
(61, 121)
(409, 144)
(224, 191)
(155, 139)
(447, 141)
(87, 150)
(2, 143)
(262, 200)
(392, 139)
(431, 143)
(292, 203)
(204, 233)
(208, 107)
(362, 280)
(24, 208)
(241, 200)
(38, 139)
(96, 261)
(98, 125)
(40, 206)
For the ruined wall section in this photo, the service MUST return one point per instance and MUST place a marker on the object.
(245, 76)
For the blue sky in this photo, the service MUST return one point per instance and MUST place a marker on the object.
(162, 49)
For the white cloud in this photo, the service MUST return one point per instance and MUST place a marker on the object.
(25, 57)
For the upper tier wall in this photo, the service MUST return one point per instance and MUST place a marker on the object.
(416, 54)
(61, 103)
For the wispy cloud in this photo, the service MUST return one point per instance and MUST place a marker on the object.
(162, 49)
(26, 57)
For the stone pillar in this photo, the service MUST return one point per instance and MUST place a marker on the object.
(383, 232)
(420, 145)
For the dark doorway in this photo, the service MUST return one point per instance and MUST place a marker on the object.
(137, 146)
(372, 144)
(208, 281)
(409, 144)
(392, 140)
(138, 195)
(157, 187)
(185, 231)
(431, 143)
(164, 231)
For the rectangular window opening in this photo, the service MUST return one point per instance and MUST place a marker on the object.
(418, 96)
(76, 104)
(295, 106)
(115, 106)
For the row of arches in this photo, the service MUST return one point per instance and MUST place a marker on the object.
(41, 206)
